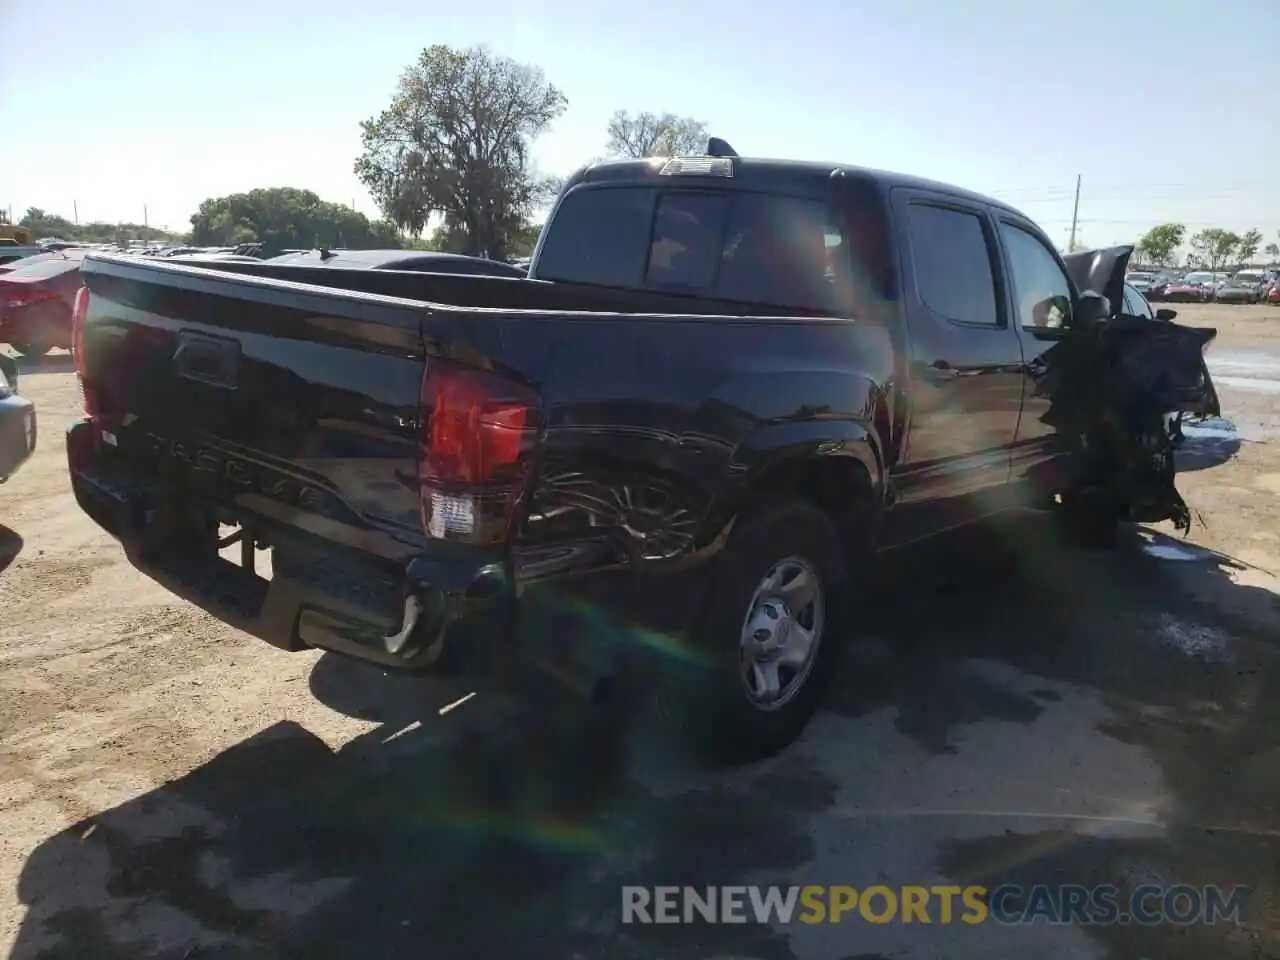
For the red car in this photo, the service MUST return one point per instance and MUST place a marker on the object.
(36, 297)
(1182, 291)
(1273, 294)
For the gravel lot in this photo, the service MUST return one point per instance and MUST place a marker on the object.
(1018, 711)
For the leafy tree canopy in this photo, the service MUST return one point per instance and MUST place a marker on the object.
(655, 135)
(283, 218)
(455, 143)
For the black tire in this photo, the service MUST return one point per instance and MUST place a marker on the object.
(31, 349)
(716, 705)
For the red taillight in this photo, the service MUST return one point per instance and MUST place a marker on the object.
(78, 314)
(477, 435)
(24, 296)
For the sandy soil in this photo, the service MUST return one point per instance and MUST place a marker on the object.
(1017, 711)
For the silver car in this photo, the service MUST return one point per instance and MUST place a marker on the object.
(1244, 287)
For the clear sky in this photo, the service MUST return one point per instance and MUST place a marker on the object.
(1169, 111)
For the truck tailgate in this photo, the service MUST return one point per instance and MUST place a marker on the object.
(295, 404)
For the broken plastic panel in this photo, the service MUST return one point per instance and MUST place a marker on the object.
(1113, 380)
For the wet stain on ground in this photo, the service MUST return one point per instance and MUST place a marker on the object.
(424, 855)
(496, 844)
(934, 696)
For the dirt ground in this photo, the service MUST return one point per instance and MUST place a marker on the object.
(1017, 711)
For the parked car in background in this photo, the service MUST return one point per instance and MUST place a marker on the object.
(1257, 279)
(17, 421)
(1136, 304)
(1193, 288)
(1159, 283)
(1141, 281)
(414, 260)
(13, 252)
(36, 300)
(1242, 288)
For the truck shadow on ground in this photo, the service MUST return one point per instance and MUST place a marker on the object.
(10, 546)
(1185, 659)
(450, 836)
(60, 362)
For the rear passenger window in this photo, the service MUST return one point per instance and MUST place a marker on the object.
(952, 264)
(600, 235)
(785, 251)
(687, 232)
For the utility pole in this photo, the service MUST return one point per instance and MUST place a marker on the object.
(75, 213)
(144, 216)
(1075, 213)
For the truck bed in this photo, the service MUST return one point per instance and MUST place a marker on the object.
(294, 410)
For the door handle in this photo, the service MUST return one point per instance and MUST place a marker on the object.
(940, 372)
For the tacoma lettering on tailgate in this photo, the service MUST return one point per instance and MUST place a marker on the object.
(231, 474)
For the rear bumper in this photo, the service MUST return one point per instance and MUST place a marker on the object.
(17, 434)
(318, 598)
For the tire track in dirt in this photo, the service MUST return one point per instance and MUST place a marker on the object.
(36, 582)
(100, 657)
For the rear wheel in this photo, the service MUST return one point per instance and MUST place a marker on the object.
(773, 628)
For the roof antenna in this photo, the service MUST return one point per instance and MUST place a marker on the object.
(325, 253)
(720, 148)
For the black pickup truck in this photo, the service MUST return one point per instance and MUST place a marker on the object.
(723, 386)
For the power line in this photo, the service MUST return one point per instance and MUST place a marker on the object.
(1105, 186)
(1269, 224)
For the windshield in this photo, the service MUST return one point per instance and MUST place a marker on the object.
(1198, 278)
(1248, 278)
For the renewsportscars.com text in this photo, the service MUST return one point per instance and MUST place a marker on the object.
(1007, 904)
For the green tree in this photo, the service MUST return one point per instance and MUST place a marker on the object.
(525, 240)
(1213, 247)
(1161, 243)
(655, 135)
(1247, 246)
(1273, 251)
(448, 239)
(44, 224)
(284, 218)
(455, 143)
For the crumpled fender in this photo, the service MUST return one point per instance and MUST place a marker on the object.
(1113, 383)
(1100, 271)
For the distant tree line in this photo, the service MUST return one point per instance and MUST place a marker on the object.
(1212, 248)
(42, 224)
(283, 218)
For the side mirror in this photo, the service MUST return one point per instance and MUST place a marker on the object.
(1164, 313)
(1051, 313)
(1092, 308)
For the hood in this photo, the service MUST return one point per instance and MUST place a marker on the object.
(1100, 271)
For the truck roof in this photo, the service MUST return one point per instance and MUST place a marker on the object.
(756, 173)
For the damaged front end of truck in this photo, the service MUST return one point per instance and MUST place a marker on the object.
(1119, 387)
